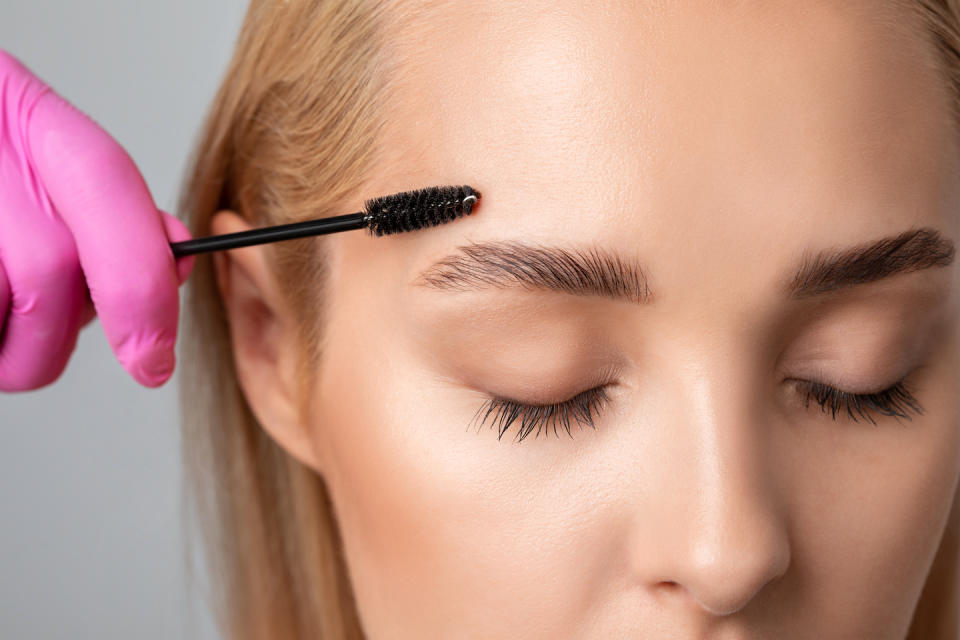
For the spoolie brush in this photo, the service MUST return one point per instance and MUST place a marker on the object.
(384, 215)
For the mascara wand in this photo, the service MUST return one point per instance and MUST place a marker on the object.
(384, 215)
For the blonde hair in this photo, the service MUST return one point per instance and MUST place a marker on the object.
(290, 135)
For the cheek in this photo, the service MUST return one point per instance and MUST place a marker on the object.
(869, 507)
(485, 531)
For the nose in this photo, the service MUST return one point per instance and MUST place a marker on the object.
(720, 535)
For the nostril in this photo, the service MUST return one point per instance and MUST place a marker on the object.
(678, 592)
(674, 590)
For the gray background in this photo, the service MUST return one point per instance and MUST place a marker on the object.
(91, 539)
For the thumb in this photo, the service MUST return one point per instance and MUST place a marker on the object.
(177, 232)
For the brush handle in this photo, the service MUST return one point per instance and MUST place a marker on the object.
(276, 233)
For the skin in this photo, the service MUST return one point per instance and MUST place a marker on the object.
(715, 144)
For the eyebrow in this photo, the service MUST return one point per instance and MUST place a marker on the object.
(592, 271)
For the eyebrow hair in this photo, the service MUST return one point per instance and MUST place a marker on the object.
(912, 250)
(509, 263)
(596, 272)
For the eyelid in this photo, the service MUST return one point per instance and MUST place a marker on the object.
(541, 416)
(607, 376)
(581, 404)
(891, 402)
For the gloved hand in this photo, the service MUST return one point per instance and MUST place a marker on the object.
(80, 237)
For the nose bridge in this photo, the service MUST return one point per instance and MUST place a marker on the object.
(722, 536)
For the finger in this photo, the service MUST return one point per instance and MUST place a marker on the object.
(178, 232)
(121, 242)
(43, 291)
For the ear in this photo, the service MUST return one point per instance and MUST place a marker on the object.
(263, 340)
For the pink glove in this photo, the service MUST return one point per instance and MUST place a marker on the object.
(80, 236)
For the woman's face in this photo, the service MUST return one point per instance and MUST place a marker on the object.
(703, 154)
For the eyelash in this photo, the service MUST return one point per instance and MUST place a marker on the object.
(893, 401)
(580, 407)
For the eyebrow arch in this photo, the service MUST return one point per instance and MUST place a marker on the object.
(827, 271)
(511, 263)
(594, 271)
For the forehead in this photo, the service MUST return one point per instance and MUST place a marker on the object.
(673, 116)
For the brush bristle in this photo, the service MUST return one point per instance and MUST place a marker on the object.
(418, 209)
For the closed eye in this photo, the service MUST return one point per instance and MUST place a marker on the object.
(896, 401)
(581, 408)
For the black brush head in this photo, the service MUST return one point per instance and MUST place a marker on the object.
(418, 209)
